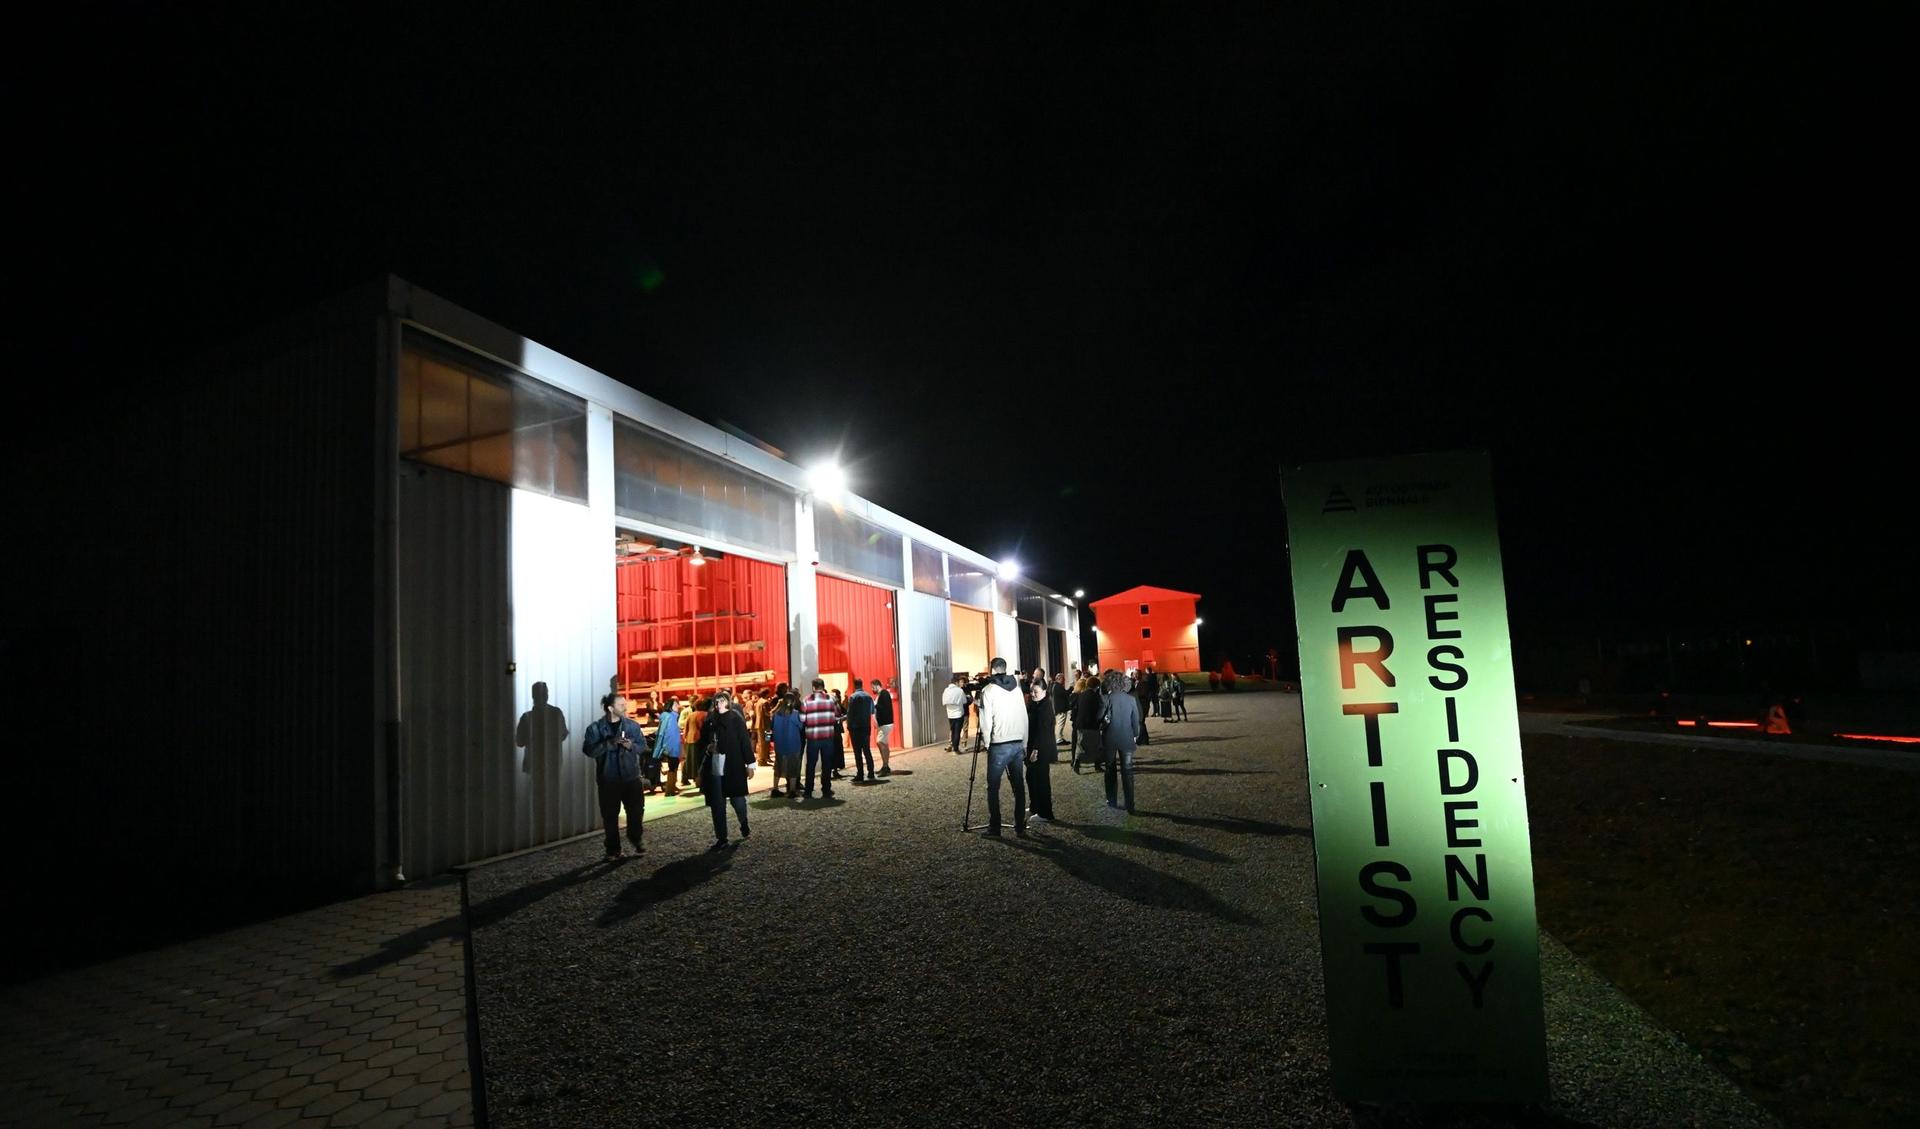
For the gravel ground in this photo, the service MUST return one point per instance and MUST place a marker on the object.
(865, 962)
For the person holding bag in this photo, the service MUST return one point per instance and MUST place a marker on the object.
(726, 767)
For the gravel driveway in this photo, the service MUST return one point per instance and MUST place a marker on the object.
(864, 962)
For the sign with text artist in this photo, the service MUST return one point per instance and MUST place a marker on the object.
(1421, 849)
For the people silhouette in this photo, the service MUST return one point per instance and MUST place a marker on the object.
(542, 732)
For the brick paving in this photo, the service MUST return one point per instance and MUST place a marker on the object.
(350, 1015)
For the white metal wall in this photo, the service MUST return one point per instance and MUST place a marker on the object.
(561, 564)
(1006, 640)
(925, 666)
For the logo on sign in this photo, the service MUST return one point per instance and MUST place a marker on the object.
(1338, 502)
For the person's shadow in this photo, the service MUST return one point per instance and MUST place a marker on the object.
(542, 732)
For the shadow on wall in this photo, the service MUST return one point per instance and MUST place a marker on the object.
(542, 734)
(809, 660)
(929, 682)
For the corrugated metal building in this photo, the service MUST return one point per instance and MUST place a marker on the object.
(404, 551)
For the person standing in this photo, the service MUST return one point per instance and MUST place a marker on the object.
(726, 767)
(883, 718)
(755, 710)
(1062, 697)
(1166, 698)
(1123, 725)
(1003, 726)
(1179, 697)
(839, 733)
(789, 738)
(1043, 746)
(954, 701)
(817, 717)
(666, 747)
(692, 728)
(860, 732)
(616, 743)
(1089, 709)
(1137, 687)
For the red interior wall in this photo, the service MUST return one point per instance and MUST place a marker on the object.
(657, 597)
(857, 630)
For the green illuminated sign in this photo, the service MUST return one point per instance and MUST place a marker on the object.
(1419, 802)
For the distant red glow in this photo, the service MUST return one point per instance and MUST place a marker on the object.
(1878, 737)
(1727, 724)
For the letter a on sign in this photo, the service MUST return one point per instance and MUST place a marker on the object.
(1413, 763)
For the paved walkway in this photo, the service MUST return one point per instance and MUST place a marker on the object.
(349, 1015)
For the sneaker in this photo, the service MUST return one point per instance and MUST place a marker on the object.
(613, 858)
(720, 846)
(886, 771)
(1036, 817)
(991, 833)
(775, 794)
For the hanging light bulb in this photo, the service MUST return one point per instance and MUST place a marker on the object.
(697, 560)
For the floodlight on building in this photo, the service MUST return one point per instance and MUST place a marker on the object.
(827, 481)
(1079, 593)
(1197, 621)
(1009, 569)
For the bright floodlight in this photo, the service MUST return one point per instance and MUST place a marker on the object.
(1009, 569)
(1079, 593)
(828, 481)
(1197, 621)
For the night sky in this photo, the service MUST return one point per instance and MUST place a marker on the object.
(1072, 283)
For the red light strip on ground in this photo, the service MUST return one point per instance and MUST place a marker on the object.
(1731, 725)
(1877, 737)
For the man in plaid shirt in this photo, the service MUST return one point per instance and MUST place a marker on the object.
(816, 713)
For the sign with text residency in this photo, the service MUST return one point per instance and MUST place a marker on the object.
(1419, 803)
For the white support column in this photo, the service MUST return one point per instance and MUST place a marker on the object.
(600, 494)
(803, 599)
(902, 715)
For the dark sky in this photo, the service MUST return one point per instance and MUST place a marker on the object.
(1073, 282)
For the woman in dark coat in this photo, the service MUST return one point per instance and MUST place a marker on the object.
(1043, 746)
(726, 763)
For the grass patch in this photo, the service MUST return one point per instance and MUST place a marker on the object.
(1762, 907)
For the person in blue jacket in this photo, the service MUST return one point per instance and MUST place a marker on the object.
(617, 745)
(666, 746)
(789, 739)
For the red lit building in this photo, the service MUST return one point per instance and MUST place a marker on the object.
(1148, 626)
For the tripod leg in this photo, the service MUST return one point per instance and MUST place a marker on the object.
(972, 774)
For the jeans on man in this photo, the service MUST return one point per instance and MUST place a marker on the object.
(958, 725)
(862, 750)
(1120, 762)
(632, 793)
(720, 815)
(820, 755)
(1005, 759)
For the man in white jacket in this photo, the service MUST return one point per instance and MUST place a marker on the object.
(955, 701)
(1003, 725)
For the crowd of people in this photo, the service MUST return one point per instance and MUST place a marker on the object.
(715, 743)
